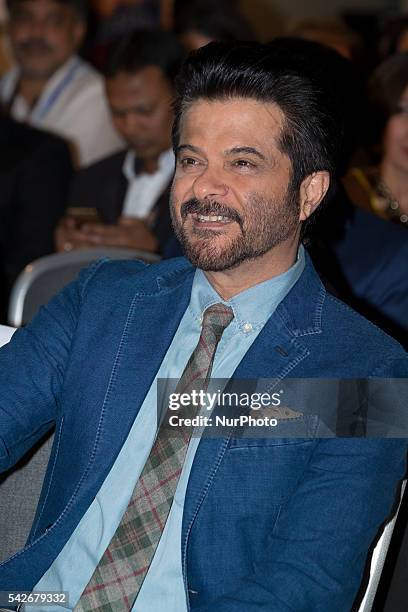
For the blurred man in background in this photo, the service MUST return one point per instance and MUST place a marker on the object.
(50, 86)
(129, 191)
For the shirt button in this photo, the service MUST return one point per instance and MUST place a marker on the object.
(247, 328)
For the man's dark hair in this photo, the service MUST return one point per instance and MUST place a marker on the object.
(344, 87)
(312, 135)
(145, 48)
(80, 6)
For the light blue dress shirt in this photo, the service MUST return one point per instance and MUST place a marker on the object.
(164, 582)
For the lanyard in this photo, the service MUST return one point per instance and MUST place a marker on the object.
(43, 108)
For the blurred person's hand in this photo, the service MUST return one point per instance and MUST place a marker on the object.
(129, 233)
(69, 237)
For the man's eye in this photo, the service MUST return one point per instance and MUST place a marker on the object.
(188, 162)
(243, 163)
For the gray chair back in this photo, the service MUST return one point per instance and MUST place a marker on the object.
(20, 490)
(45, 277)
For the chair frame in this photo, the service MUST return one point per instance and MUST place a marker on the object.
(52, 262)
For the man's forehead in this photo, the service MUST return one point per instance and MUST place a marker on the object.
(231, 107)
(147, 86)
(233, 118)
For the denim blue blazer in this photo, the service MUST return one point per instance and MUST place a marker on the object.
(269, 524)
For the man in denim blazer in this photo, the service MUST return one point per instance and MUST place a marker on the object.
(268, 523)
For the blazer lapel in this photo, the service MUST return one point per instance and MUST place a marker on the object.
(277, 350)
(272, 356)
(142, 349)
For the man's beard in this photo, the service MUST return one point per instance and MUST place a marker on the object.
(266, 224)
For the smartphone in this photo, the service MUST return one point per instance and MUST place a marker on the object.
(83, 214)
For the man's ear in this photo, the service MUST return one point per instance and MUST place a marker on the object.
(312, 191)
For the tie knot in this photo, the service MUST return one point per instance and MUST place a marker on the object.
(217, 317)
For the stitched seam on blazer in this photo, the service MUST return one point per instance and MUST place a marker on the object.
(51, 476)
(233, 449)
(92, 271)
(100, 424)
(294, 333)
(319, 308)
(162, 290)
(200, 501)
(317, 318)
(294, 362)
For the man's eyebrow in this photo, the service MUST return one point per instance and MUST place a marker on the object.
(188, 147)
(250, 150)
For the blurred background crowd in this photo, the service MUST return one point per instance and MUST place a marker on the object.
(85, 130)
(85, 133)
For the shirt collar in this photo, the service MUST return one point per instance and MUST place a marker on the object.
(12, 77)
(253, 307)
(165, 164)
(60, 73)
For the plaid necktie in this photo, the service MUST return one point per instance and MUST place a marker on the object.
(119, 575)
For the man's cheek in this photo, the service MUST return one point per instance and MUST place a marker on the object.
(185, 187)
(178, 192)
(175, 203)
(178, 175)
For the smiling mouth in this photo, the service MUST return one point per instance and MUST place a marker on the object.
(205, 215)
(211, 219)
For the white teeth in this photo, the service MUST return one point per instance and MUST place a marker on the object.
(212, 218)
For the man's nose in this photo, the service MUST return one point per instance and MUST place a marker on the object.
(131, 124)
(210, 184)
(38, 29)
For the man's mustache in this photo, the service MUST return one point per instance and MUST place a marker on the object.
(35, 44)
(195, 206)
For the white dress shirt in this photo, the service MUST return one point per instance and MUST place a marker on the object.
(145, 189)
(73, 105)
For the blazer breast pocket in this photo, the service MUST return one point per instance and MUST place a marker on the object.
(274, 426)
